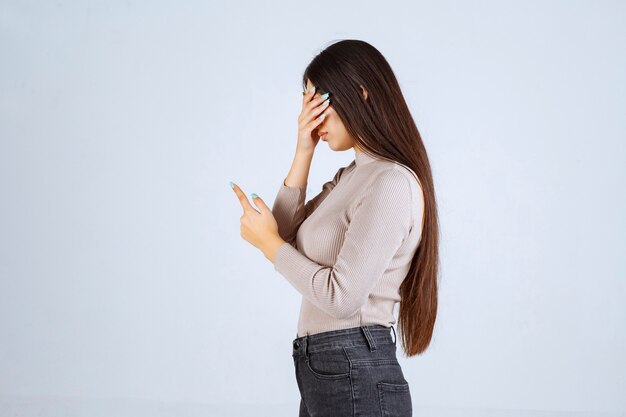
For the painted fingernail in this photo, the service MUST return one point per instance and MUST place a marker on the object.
(322, 116)
(232, 184)
(311, 90)
(325, 95)
(253, 195)
(325, 103)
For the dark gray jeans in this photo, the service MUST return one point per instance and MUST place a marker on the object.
(351, 373)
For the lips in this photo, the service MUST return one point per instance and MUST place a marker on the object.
(323, 135)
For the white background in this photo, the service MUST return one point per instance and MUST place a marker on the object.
(126, 289)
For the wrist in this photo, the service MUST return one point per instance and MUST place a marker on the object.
(270, 249)
(304, 153)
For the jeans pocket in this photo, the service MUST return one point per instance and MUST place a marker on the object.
(329, 364)
(395, 399)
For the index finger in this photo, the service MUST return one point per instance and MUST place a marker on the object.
(245, 204)
(308, 95)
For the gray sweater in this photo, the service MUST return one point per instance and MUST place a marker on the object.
(348, 249)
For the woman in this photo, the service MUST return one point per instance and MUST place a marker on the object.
(367, 241)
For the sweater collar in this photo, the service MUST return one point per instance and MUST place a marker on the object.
(361, 158)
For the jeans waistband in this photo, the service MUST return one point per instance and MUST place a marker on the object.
(370, 335)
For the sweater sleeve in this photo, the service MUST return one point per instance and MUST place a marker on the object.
(381, 221)
(290, 211)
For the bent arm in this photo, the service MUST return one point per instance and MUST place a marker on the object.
(380, 224)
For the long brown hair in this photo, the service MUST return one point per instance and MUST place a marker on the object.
(382, 125)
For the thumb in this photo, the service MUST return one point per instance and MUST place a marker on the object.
(259, 202)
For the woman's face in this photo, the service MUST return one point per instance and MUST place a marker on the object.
(337, 136)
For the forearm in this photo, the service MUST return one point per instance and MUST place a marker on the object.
(288, 207)
(299, 173)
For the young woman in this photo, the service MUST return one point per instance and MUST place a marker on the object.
(367, 241)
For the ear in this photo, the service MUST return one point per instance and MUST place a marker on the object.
(364, 91)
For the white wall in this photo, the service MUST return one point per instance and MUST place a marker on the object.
(126, 289)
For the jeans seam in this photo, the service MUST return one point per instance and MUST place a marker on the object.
(374, 362)
(302, 398)
(341, 345)
(380, 399)
(371, 327)
(351, 382)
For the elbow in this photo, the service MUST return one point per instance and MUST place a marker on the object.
(345, 310)
(342, 305)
